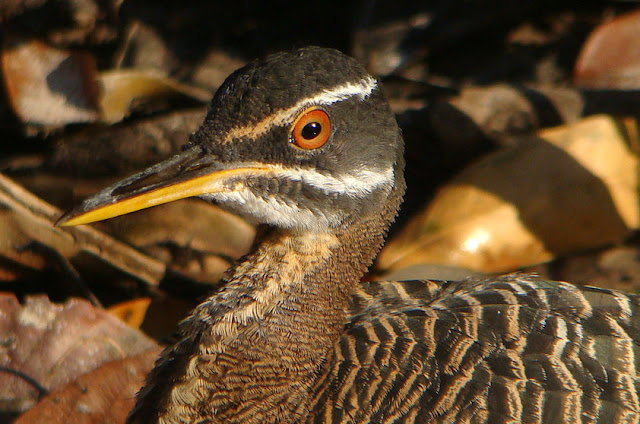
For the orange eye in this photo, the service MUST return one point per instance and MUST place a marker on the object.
(312, 129)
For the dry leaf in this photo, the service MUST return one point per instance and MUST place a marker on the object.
(24, 218)
(123, 149)
(48, 86)
(55, 343)
(614, 267)
(12, 8)
(122, 89)
(103, 396)
(195, 237)
(610, 58)
(164, 314)
(502, 109)
(215, 68)
(131, 312)
(380, 46)
(575, 187)
(144, 48)
(429, 272)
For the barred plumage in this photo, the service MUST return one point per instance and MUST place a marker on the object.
(294, 337)
(511, 349)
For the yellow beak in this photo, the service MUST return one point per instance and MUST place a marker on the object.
(190, 173)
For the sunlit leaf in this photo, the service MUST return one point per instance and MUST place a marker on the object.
(572, 188)
(126, 88)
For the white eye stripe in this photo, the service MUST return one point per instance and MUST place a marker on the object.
(361, 89)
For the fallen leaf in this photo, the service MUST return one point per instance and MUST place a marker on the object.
(429, 272)
(164, 314)
(215, 68)
(103, 396)
(381, 46)
(53, 344)
(124, 89)
(194, 237)
(610, 58)
(503, 110)
(50, 87)
(12, 8)
(98, 150)
(25, 218)
(574, 187)
(144, 48)
(131, 312)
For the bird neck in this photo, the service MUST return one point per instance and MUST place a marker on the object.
(293, 291)
(252, 352)
(272, 327)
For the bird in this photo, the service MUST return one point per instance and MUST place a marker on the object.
(304, 143)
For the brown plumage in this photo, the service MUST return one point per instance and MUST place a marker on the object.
(509, 349)
(294, 337)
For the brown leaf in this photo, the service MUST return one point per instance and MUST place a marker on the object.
(26, 218)
(131, 312)
(55, 343)
(197, 238)
(614, 267)
(380, 45)
(124, 89)
(193, 237)
(164, 314)
(610, 58)
(573, 188)
(11, 8)
(501, 109)
(144, 48)
(103, 396)
(48, 86)
(126, 148)
(215, 68)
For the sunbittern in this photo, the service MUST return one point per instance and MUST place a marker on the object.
(306, 143)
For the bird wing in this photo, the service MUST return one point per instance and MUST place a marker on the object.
(511, 349)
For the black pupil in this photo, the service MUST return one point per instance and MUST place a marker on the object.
(311, 130)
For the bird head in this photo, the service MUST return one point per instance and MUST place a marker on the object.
(302, 140)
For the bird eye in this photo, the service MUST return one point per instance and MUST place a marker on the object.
(311, 129)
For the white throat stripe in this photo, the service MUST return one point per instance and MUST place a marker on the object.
(276, 211)
(356, 184)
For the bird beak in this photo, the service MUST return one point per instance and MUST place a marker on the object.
(190, 173)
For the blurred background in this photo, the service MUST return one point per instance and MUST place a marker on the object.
(522, 141)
